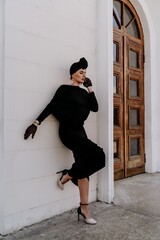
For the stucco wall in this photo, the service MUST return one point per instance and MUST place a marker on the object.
(1, 110)
(104, 74)
(153, 7)
(149, 16)
(42, 39)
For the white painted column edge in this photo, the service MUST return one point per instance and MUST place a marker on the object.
(2, 11)
(104, 75)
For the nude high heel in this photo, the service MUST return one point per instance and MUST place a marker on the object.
(87, 220)
(61, 185)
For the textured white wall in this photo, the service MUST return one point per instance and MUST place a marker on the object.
(42, 39)
(104, 73)
(149, 16)
(1, 112)
(155, 18)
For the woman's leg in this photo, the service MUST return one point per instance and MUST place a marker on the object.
(65, 178)
(83, 185)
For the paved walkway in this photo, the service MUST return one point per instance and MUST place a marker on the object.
(134, 215)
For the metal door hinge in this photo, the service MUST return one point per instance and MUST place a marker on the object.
(144, 157)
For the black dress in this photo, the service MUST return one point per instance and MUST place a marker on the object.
(71, 106)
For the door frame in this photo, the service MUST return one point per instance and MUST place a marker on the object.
(123, 132)
(150, 75)
(104, 90)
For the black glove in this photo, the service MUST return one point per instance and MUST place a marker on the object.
(30, 130)
(87, 82)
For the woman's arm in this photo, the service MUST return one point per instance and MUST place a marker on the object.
(93, 102)
(45, 113)
(51, 106)
(92, 98)
(31, 130)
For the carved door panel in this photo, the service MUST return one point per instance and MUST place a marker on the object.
(128, 91)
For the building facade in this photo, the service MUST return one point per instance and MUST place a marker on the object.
(39, 40)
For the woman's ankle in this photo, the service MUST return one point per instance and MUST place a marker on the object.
(86, 211)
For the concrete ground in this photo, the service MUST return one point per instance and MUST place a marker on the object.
(134, 215)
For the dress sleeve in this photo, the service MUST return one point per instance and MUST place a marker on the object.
(45, 113)
(49, 109)
(93, 102)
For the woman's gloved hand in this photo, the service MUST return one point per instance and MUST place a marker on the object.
(31, 130)
(87, 82)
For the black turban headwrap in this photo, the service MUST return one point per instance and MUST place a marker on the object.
(78, 65)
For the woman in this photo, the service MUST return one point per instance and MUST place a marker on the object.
(71, 105)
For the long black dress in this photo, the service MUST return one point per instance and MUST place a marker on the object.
(71, 106)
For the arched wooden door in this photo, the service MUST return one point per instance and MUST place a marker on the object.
(128, 91)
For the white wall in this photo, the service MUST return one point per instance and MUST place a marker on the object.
(1, 110)
(155, 17)
(104, 74)
(42, 39)
(149, 15)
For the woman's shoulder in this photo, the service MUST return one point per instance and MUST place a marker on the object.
(67, 87)
(71, 88)
(62, 87)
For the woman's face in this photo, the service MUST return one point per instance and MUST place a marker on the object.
(79, 77)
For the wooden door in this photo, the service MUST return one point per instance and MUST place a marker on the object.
(128, 91)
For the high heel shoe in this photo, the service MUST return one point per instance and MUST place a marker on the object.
(61, 185)
(87, 220)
